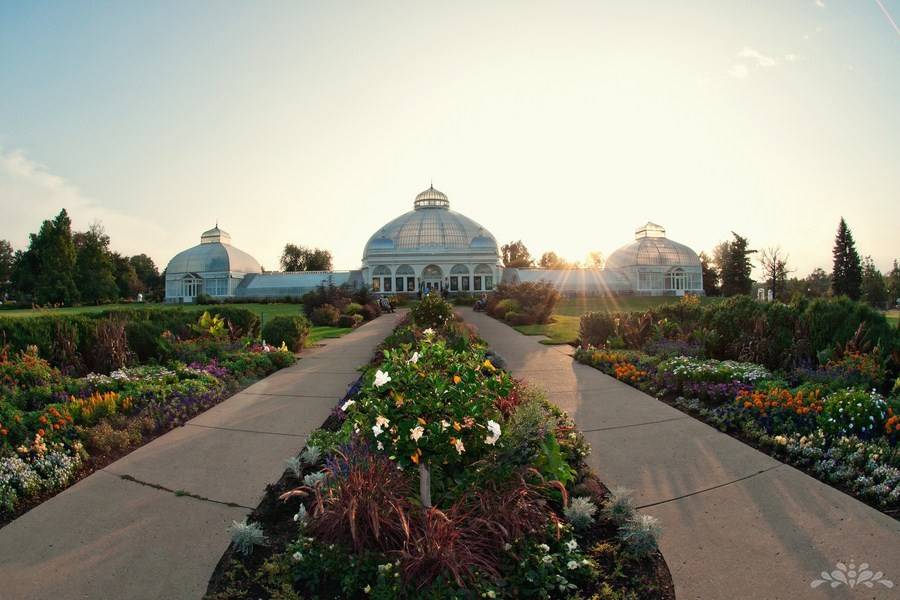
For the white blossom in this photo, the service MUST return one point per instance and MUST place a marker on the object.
(381, 378)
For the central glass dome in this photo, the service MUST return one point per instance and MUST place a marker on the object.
(430, 228)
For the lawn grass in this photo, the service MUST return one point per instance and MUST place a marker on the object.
(563, 328)
(265, 312)
(893, 317)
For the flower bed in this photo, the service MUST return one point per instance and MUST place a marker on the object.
(55, 428)
(440, 476)
(845, 436)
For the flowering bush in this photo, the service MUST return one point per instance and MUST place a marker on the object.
(432, 312)
(431, 406)
(686, 369)
(854, 412)
(780, 409)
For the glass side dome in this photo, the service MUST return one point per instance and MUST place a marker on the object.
(214, 254)
(652, 248)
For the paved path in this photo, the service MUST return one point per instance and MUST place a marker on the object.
(736, 523)
(124, 534)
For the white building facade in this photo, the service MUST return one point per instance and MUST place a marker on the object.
(434, 248)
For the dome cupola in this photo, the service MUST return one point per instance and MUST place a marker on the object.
(432, 198)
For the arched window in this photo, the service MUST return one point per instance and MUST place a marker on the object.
(381, 279)
(406, 278)
(432, 278)
(484, 278)
(459, 277)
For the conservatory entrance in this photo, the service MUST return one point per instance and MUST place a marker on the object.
(432, 278)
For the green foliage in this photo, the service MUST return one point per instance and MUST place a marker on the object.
(301, 258)
(537, 300)
(854, 412)
(209, 325)
(736, 267)
(353, 308)
(516, 255)
(432, 311)
(350, 321)
(46, 270)
(846, 274)
(505, 306)
(596, 328)
(290, 331)
(94, 275)
(325, 315)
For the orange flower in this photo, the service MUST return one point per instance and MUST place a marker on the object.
(43, 419)
(457, 379)
(40, 432)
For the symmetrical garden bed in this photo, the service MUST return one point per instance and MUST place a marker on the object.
(58, 424)
(439, 476)
(835, 416)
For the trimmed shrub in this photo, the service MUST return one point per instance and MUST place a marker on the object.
(464, 300)
(505, 306)
(350, 320)
(370, 311)
(537, 300)
(325, 315)
(291, 331)
(353, 309)
(596, 328)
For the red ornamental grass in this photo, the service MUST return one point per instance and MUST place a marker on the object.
(365, 507)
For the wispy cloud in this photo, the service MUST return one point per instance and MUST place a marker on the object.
(31, 194)
(820, 3)
(758, 57)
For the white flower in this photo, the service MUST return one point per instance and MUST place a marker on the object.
(382, 421)
(301, 515)
(494, 428)
(428, 331)
(381, 378)
(544, 547)
(460, 447)
(414, 358)
(380, 446)
(368, 589)
(297, 557)
(416, 432)
(571, 545)
(572, 564)
(444, 424)
(377, 430)
(347, 405)
(547, 559)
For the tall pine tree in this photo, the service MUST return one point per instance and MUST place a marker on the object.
(846, 276)
(736, 267)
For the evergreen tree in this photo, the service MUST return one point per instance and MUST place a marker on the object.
(874, 288)
(893, 284)
(736, 267)
(46, 271)
(710, 276)
(94, 269)
(846, 277)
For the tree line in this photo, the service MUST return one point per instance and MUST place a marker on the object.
(65, 267)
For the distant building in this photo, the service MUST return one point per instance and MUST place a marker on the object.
(433, 248)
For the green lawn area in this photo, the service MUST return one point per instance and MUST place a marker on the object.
(265, 312)
(893, 317)
(563, 328)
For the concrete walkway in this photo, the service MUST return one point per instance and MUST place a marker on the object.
(128, 532)
(736, 523)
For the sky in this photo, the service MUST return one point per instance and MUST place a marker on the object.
(565, 124)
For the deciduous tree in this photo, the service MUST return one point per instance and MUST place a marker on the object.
(516, 255)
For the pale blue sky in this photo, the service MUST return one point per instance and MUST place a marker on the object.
(563, 124)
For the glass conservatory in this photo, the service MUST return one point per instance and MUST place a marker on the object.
(655, 265)
(431, 248)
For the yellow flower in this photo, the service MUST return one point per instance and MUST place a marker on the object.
(457, 379)
(421, 421)
(489, 365)
(456, 426)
